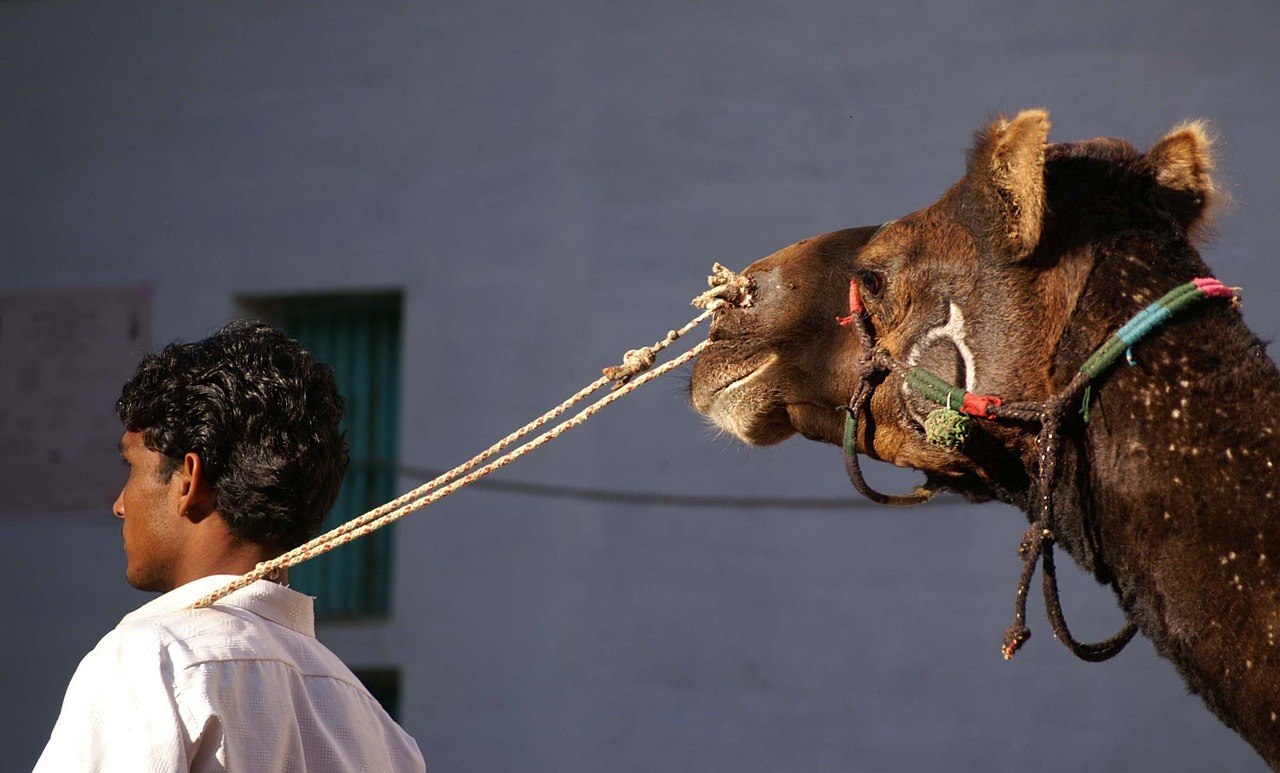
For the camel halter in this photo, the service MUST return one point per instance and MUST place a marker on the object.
(948, 427)
(727, 289)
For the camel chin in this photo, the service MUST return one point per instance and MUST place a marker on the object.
(746, 403)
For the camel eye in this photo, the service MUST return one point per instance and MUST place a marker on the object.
(872, 282)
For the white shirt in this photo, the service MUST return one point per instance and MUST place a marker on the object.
(242, 685)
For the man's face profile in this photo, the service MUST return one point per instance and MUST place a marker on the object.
(149, 507)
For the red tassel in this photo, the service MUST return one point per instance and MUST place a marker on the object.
(855, 304)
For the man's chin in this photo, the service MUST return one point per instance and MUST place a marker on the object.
(149, 582)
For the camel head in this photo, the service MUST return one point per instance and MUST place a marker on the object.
(978, 288)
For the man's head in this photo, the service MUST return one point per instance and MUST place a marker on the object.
(242, 426)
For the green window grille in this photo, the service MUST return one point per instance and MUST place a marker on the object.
(384, 685)
(359, 336)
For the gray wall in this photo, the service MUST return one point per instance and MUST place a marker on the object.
(549, 184)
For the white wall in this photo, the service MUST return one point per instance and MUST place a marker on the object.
(549, 184)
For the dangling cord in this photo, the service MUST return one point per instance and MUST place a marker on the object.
(1037, 544)
(1095, 652)
(1029, 551)
(852, 412)
(875, 362)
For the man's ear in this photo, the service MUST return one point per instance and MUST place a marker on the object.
(1006, 173)
(196, 496)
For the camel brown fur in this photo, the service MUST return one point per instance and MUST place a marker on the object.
(1005, 285)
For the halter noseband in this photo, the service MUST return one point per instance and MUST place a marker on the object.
(951, 425)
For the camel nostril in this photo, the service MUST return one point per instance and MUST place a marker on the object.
(721, 325)
(728, 323)
(764, 285)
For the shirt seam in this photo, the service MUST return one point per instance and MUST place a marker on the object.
(357, 685)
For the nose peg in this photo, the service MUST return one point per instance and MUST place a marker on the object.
(728, 288)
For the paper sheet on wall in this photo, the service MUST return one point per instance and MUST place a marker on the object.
(64, 355)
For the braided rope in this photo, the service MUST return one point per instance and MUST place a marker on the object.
(1173, 302)
(1037, 547)
(727, 289)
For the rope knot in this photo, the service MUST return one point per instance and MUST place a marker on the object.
(1033, 542)
(727, 287)
(1026, 546)
(633, 362)
(1014, 638)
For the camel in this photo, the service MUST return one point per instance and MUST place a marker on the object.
(1156, 472)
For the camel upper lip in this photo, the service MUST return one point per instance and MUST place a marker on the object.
(745, 370)
(755, 370)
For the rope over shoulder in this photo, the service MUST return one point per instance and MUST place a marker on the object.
(728, 288)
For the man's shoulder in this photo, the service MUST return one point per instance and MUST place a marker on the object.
(215, 633)
(178, 637)
(131, 641)
(231, 645)
(256, 623)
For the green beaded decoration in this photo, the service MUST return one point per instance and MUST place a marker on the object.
(946, 428)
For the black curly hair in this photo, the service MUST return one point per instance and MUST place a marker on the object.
(263, 416)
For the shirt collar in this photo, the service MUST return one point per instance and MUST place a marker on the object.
(264, 598)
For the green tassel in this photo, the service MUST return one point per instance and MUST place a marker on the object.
(1084, 403)
(850, 430)
(946, 428)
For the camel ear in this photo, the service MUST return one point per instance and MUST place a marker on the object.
(1183, 163)
(1006, 169)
